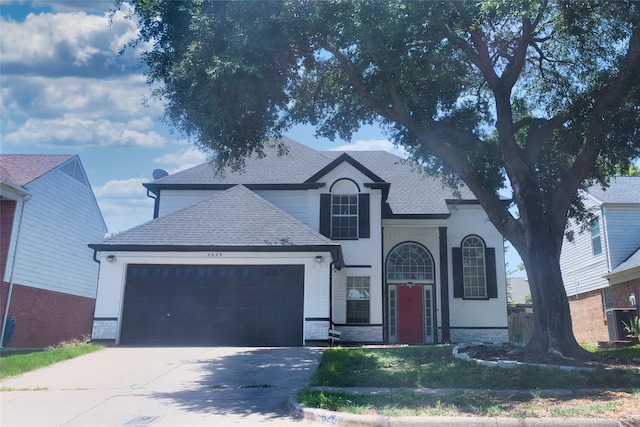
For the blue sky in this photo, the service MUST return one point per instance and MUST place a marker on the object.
(66, 90)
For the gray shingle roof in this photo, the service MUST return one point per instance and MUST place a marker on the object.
(623, 189)
(236, 217)
(411, 191)
(632, 262)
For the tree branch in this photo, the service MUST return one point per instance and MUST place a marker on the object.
(606, 100)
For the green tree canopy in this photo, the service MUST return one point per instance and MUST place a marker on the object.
(542, 97)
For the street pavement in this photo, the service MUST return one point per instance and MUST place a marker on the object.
(136, 387)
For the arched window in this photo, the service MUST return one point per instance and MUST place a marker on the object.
(474, 267)
(409, 262)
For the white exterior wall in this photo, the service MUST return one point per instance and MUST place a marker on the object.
(483, 318)
(581, 270)
(58, 222)
(111, 285)
(294, 202)
(362, 257)
(174, 200)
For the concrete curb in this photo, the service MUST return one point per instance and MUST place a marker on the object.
(333, 418)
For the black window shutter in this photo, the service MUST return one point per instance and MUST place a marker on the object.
(325, 215)
(492, 279)
(458, 277)
(364, 231)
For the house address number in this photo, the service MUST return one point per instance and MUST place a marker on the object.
(214, 254)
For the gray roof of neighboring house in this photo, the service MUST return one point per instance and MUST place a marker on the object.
(411, 190)
(519, 289)
(632, 262)
(255, 223)
(21, 169)
(622, 189)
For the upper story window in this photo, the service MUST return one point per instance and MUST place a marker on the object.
(473, 268)
(344, 213)
(409, 262)
(344, 216)
(596, 239)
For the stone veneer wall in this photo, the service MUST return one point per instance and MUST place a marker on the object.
(480, 335)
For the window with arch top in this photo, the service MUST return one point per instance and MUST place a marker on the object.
(409, 262)
(474, 270)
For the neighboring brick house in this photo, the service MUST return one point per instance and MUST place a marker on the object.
(601, 266)
(48, 214)
(279, 253)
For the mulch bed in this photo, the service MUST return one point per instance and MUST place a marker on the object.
(511, 353)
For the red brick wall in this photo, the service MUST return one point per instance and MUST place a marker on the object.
(587, 311)
(45, 318)
(621, 293)
(7, 211)
(588, 317)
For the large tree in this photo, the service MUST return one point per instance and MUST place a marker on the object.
(538, 97)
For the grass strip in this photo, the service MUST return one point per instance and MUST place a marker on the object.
(18, 362)
(470, 402)
(435, 367)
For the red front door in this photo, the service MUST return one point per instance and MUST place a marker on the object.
(410, 314)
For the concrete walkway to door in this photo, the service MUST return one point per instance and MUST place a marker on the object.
(135, 387)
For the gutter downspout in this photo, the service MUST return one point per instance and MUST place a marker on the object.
(23, 199)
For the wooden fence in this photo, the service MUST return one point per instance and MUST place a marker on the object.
(520, 327)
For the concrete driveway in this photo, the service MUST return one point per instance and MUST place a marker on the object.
(135, 387)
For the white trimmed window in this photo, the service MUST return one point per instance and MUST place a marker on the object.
(344, 216)
(358, 299)
(473, 268)
(596, 239)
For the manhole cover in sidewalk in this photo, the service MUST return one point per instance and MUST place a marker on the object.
(141, 421)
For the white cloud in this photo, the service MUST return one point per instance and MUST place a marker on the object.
(66, 43)
(124, 203)
(34, 97)
(185, 159)
(373, 144)
(72, 131)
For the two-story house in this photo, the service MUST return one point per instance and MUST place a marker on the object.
(48, 214)
(292, 246)
(600, 261)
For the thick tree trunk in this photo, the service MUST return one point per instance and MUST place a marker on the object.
(553, 330)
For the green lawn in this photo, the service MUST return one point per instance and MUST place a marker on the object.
(14, 362)
(480, 390)
(435, 367)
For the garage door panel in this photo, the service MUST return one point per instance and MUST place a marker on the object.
(213, 305)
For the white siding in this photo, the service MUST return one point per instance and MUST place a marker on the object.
(622, 225)
(174, 200)
(109, 304)
(357, 253)
(466, 220)
(59, 220)
(293, 202)
(581, 270)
